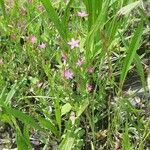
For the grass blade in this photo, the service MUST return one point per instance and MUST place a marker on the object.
(131, 53)
(66, 16)
(21, 141)
(49, 125)
(54, 18)
(28, 120)
(2, 4)
(140, 70)
(126, 140)
(13, 90)
(128, 8)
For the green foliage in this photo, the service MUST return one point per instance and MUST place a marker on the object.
(64, 73)
(134, 45)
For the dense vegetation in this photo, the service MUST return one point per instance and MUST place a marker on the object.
(74, 74)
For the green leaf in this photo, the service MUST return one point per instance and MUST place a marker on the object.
(2, 4)
(65, 108)
(68, 141)
(2, 92)
(28, 120)
(13, 90)
(66, 16)
(82, 107)
(134, 45)
(99, 23)
(26, 134)
(128, 8)
(126, 140)
(49, 125)
(54, 18)
(140, 70)
(95, 28)
(58, 113)
(21, 141)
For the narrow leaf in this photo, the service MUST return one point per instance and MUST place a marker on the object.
(13, 90)
(131, 53)
(128, 8)
(49, 125)
(82, 107)
(66, 108)
(22, 117)
(54, 18)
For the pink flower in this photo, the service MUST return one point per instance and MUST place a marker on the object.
(1, 61)
(80, 62)
(68, 74)
(74, 43)
(90, 70)
(90, 88)
(40, 8)
(82, 14)
(32, 39)
(41, 46)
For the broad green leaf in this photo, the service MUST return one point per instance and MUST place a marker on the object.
(131, 51)
(67, 142)
(82, 107)
(66, 108)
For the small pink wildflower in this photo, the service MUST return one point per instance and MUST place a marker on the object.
(90, 70)
(1, 61)
(80, 62)
(73, 43)
(41, 46)
(82, 14)
(32, 39)
(90, 88)
(68, 74)
(40, 8)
